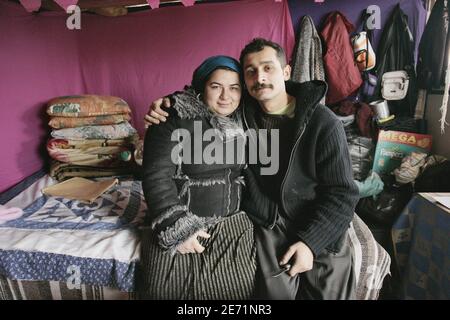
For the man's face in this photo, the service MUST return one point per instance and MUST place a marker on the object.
(264, 76)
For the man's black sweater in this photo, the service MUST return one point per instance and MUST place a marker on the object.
(317, 194)
(285, 127)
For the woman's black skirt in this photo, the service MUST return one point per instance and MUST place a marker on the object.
(225, 270)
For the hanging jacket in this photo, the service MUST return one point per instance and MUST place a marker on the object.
(342, 74)
(308, 61)
(417, 18)
(396, 52)
(318, 194)
(434, 48)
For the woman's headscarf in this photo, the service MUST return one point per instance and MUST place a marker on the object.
(202, 73)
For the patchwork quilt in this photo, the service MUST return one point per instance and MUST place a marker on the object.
(69, 241)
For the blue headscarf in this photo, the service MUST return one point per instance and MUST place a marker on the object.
(202, 73)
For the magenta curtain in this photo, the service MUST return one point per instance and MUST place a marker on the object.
(138, 57)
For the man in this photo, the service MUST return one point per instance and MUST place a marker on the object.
(301, 213)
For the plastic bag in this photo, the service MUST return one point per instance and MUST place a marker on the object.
(387, 205)
(372, 186)
(361, 153)
(410, 168)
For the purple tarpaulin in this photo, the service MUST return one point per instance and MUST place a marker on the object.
(31, 5)
(138, 57)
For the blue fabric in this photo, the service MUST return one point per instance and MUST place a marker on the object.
(44, 266)
(120, 208)
(122, 201)
(211, 64)
(422, 250)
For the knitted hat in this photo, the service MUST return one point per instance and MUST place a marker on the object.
(202, 73)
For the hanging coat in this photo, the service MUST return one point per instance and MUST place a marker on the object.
(342, 74)
(434, 48)
(417, 18)
(396, 52)
(308, 60)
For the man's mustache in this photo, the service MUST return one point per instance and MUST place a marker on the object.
(258, 86)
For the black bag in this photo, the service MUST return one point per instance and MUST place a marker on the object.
(387, 205)
(434, 179)
(405, 124)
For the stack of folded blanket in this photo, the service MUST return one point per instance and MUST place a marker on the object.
(91, 136)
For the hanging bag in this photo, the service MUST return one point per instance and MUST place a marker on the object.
(364, 54)
(394, 85)
(365, 58)
(362, 49)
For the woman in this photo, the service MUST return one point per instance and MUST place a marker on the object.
(200, 245)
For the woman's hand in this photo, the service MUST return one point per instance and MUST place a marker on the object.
(191, 245)
(155, 114)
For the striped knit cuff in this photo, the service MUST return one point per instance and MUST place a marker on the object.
(183, 229)
(169, 214)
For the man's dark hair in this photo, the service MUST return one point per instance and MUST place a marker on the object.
(257, 45)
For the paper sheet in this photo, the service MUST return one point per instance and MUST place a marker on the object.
(441, 198)
(444, 200)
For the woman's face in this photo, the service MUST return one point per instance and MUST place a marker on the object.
(223, 92)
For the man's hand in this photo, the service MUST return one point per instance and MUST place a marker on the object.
(301, 258)
(155, 114)
(191, 245)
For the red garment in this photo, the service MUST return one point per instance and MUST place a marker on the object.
(345, 108)
(363, 116)
(342, 73)
(364, 119)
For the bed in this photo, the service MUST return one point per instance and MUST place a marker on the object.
(62, 249)
(66, 249)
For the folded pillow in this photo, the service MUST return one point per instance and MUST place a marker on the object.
(86, 106)
(84, 144)
(115, 131)
(104, 156)
(66, 122)
(61, 170)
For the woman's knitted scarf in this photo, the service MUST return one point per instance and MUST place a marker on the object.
(189, 106)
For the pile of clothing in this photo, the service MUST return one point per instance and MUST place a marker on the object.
(91, 137)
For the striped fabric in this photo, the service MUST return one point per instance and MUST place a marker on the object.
(371, 261)
(54, 290)
(225, 270)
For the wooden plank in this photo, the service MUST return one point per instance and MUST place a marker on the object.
(93, 4)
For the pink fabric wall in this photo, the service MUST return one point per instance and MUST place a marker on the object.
(137, 57)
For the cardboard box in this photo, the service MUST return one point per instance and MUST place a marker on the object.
(393, 146)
